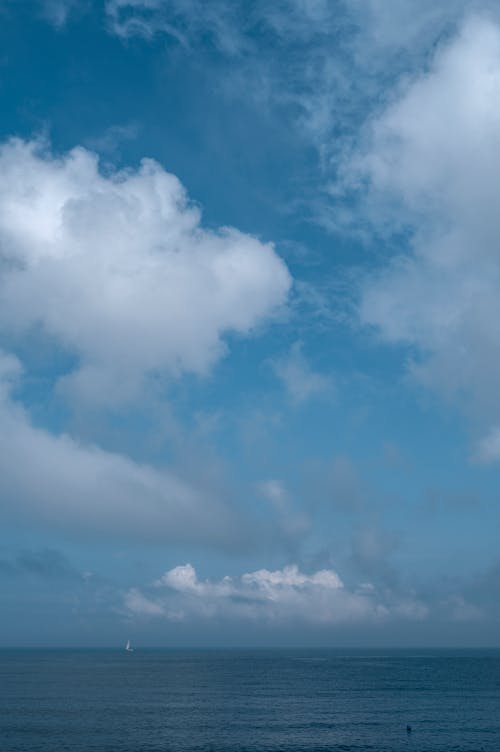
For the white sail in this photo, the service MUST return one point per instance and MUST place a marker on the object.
(128, 647)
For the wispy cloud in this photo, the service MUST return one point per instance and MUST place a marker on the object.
(186, 22)
(46, 563)
(336, 60)
(58, 11)
(301, 382)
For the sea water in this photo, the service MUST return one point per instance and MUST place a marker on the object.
(248, 700)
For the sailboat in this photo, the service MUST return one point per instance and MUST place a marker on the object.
(128, 647)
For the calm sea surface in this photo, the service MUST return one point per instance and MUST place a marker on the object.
(261, 700)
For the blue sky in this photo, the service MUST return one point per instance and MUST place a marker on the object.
(249, 322)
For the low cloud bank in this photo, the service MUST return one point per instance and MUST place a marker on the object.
(282, 596)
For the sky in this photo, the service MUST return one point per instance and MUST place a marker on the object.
(249, 323)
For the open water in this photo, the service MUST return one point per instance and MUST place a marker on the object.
(252, 701)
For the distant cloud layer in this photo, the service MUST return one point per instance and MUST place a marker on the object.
(65, 484)
(283, 595)
(118, 269)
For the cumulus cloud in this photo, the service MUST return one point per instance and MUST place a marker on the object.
(117, 269)
(431, 165)
(66, 484)
(283, 595)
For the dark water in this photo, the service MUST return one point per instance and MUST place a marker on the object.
(152, 701)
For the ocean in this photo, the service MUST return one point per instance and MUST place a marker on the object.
(248, 700)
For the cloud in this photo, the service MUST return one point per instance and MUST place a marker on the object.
(45, 563)
(60, 482)
(58, 11)
(403, 24)
(371, 551)
(283, 595)
(430, 167)
(300, 381)
(293, 522)
(117, 269)
(185, 22)
(227, 23)
(488, 449)
(330, 63)
(110, 139)
(336, 483)
(458, 609)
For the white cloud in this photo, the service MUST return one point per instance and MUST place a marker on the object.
(118, 269)
(283, 595)
(137, 603)
(298, 378)
(290, 577)
(432, 163)
(63, 483)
